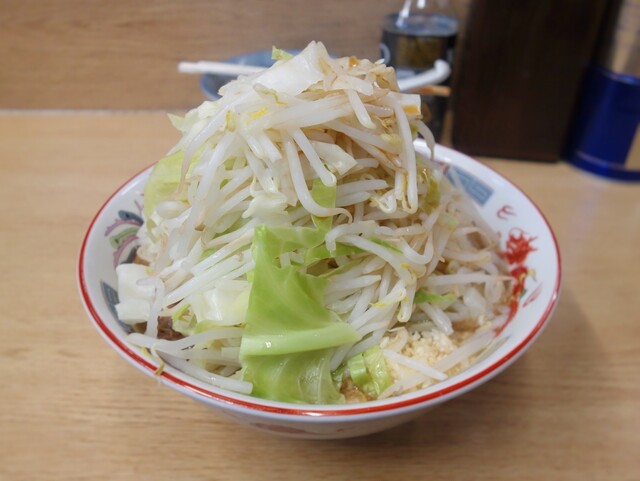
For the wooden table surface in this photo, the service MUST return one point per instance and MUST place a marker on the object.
(72, 409)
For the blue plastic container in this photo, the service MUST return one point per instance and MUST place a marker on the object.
(606, 135)
(605, 138)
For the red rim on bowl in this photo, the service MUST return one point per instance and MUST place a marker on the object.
(308, 410)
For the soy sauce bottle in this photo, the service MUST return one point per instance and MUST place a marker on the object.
(413, 39)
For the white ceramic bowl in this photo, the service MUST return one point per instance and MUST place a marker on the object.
(111, 237)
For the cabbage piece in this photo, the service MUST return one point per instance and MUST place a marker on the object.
(295, 75)
(286, 312)
(338, 376)
(270, 208)
(325, 196)
(183, 320)
(163, 181)
(378, 370)
(285, 347)
(196, 118)
(279, 54)
(289, 334)
(302, 377)
(342, 269)
(223, 305)
(334, 156)
(431, 199)
(321, 252)
(358, 371)
(369, 372)
(134, 298)
(423, 296)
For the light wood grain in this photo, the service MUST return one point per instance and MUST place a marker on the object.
(123, 54)
(71, 409)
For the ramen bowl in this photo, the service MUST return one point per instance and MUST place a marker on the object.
(526, 239)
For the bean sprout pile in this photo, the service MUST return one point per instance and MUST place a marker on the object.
(296, 247)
